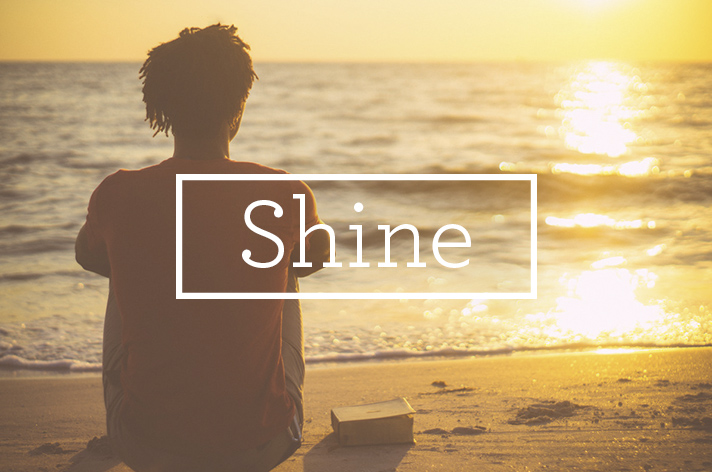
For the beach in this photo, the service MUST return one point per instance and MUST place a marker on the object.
(597, 410)
(517, 196)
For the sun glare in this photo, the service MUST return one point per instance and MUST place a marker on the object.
(603, 302)
(595, 4)
(595, 111)
(593, 220)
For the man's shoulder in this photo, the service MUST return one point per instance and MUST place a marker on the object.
(158, 177)
(285, 187)
(244, 167)
(119, 178)
(113, 180)
(131, 180)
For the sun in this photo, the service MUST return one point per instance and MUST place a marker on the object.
(594, 5)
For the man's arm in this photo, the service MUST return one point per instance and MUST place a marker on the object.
(317, 253)
(98, 263)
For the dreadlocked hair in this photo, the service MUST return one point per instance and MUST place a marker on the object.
(198, 81)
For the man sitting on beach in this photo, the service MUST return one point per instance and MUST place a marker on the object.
(200, 385)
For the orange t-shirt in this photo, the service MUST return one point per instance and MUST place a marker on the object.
(200, 376)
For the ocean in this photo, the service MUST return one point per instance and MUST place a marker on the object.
(622, 155)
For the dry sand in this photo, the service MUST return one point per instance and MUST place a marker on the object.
(643, 410)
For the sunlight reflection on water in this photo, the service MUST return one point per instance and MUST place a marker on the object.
(604, 301)
(641, 168)
(592, 220)
(602, 110)
(597, 108)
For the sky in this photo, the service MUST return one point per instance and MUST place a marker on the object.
(367, 30)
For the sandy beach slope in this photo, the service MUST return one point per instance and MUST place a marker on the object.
(618, 411)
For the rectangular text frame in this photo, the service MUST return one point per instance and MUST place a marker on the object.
(180, 295)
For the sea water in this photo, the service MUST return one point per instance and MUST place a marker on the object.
(622, 153)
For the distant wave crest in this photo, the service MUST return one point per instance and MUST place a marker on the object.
(62, 365)
(13, 362)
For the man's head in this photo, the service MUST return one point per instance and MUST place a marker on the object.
(197, 83)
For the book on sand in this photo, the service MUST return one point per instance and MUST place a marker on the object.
(389, 422)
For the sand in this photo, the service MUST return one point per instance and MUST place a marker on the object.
(618, 411)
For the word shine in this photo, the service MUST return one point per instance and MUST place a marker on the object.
(358, 207)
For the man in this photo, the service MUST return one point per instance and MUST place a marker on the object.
(200, 385)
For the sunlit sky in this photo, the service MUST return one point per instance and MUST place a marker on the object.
(367, 30)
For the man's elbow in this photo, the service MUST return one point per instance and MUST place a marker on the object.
(92, 266)
(97, 267)
(88, 260)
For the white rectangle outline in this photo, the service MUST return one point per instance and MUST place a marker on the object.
(180, 295)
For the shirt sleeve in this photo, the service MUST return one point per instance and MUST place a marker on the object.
(96, 243)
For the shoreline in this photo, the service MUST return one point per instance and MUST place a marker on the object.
(346, 359)
(639, 410)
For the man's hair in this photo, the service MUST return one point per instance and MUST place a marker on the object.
(198, 81)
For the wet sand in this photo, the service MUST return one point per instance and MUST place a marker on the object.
(618, 411)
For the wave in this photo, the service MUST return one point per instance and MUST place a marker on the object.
(551, 188)
(42, 245)
(451, 352)
(417, 119)
(14, 362)
(457, 119)
(16, 229)
(474, 191)
(25, 276)
(376, 140)
(23, 163)
(83, 163)
(63, 365)
(33, 158)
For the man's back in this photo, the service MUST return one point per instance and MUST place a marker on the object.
(200, 375)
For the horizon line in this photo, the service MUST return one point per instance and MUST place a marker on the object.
(383, 61)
